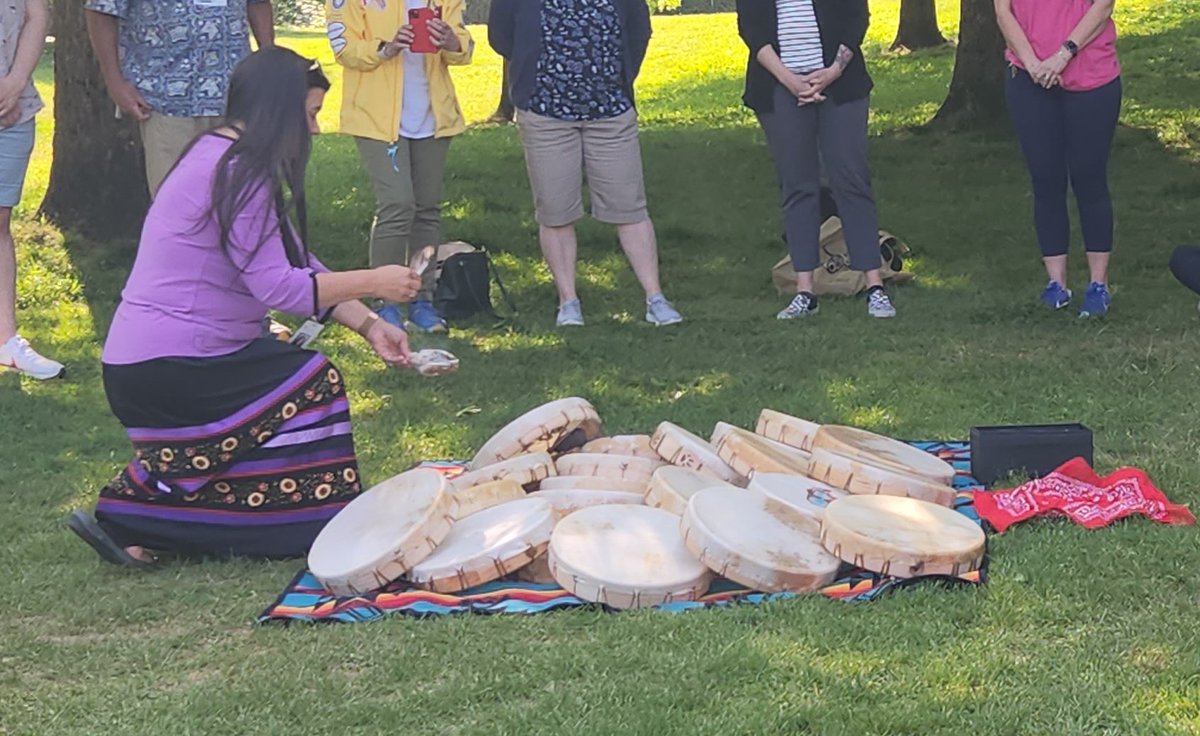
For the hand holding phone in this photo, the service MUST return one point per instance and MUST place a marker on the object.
(419, 19)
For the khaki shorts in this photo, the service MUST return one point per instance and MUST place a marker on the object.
(163, 139)
(558, 152)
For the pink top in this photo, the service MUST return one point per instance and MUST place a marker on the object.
(185, 297)
(1048, 24)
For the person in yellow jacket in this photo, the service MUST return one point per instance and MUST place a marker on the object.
(401, 108)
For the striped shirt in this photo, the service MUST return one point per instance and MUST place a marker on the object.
(799, 36)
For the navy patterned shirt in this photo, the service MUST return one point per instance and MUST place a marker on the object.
(580, 74)
(180, 53)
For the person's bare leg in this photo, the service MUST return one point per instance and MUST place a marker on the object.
(1098, 267)
(8, 277)
(560, 248)
(804, 282)
(641, 248)
(874, 278)
(1056, 268)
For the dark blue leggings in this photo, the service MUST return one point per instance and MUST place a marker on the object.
(1185, 264)
(1067, 136)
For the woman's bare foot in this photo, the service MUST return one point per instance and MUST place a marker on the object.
(141, 554)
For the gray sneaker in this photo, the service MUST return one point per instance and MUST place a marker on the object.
(570, 314)
(659, 312)
(802, 305)
(879, 305)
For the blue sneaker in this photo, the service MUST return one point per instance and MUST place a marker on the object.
(425, 318)
(1055, 296)
(1096, 301)
(391, 314)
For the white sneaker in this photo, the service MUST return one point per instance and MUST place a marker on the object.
(879, 305)
(802, 305)
(17, 355)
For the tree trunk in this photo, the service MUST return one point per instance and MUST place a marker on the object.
(97, 178)
(976, 96)
(505, 111)
(918, 26)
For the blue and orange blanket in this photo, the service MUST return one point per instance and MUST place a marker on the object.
(305, 599)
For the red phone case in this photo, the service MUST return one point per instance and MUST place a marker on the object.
(419, 19)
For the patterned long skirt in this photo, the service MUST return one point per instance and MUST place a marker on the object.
(246, 454)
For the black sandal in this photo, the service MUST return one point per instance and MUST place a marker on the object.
(90, 531)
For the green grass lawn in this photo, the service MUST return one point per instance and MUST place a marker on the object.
(1078, 632)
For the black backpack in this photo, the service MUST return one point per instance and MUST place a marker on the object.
(464, 284)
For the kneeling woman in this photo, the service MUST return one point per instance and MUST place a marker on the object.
(242, 444)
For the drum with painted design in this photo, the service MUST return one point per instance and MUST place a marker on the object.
(808, 497)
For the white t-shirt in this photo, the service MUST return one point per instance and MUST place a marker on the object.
(799, 36)
(416, 113)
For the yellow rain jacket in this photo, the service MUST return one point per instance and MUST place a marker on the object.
(373, 87)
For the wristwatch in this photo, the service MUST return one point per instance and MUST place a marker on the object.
(1071, 47)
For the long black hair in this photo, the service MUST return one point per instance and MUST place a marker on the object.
(267, 105)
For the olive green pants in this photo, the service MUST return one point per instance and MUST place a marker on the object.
(408, 200)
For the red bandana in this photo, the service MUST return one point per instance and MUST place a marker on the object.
(1089, 500)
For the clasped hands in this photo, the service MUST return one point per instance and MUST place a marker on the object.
(810, 88)
(1048, 72)
(440, 33)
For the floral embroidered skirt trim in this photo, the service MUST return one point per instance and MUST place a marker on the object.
(246, 454)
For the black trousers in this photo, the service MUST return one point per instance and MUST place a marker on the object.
(802, 141)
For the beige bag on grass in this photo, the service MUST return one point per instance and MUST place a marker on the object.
(834, 277)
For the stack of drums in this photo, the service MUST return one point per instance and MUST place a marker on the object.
(865, 463)
(642, 520)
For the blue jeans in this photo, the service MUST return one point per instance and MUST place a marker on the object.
(1067, 136)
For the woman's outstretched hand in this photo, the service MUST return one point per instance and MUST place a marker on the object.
(390, 343)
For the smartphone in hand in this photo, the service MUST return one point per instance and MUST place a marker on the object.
(419, 19)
